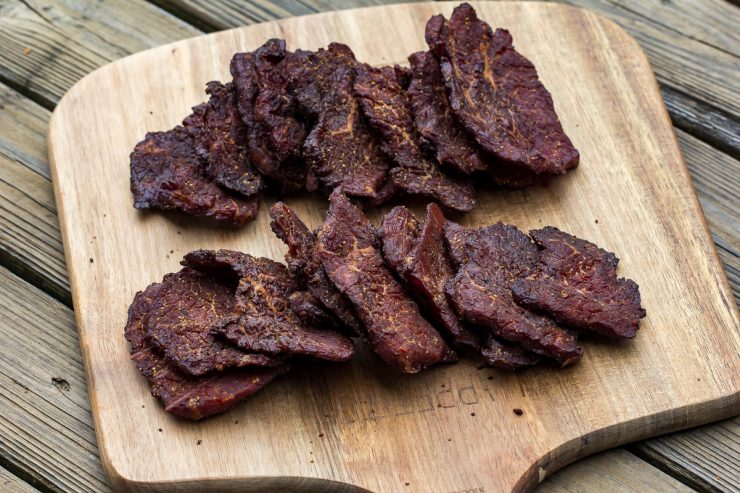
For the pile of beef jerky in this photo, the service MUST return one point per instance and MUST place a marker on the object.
(469, 109)
(418, 292)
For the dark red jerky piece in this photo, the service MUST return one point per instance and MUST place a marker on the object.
(183, 395)
(419, 256)
(185, 309)
(312, 311)
(386, 105)
(346, 245)
(305, 264)
(341, 150)
(497, 95)
(506, 356)
(456, 237)
(166, 174)
(434, 119)
(576, 283)
(495, 256)
(220, 141)
(290, 173)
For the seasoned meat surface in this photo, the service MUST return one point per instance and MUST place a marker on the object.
(305, 264)
(221, 141)
(167, 174)
(497, 95)
(183, 312)
(418, 254)
(576, 283)
(347, 247)
(386, 105)
(183, 395)
(506, 356)
(495, 256)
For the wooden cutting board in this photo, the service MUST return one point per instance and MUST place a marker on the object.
(362, 426)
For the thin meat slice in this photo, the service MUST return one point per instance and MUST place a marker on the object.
(263, 320)
(506, 356)
(346, 245)
(220, 141)
(456, 237)
(304, 264)
(312, 311)
(183, 312)
(167, 174)
(386, 105)
(495, 256)
(434, 119)
(182, 395)
(576, 283)
(496, 94)
(419, 256)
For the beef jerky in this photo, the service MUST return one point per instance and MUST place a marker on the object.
(340, 150)
(166, 174)
(220, 141)
(496, 94)
(311, 310)
(186, 307)
(576, 283)
(289, 173)
(346, 245)
(506, 356)
(183, 395)
(387, 108)
(263, 321)
(434, 119)
(304, 264)
(456, 237)
(495, 256)
(419, 256)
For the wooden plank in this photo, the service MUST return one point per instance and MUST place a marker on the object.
(30, 240)
(718, 447)
(616, 471)
(633, 181)
(49, 432)
(46, 432)
(688, 43)
(48, 46)
(9, 483)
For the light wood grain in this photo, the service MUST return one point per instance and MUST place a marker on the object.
(9, 483)
(632, 179)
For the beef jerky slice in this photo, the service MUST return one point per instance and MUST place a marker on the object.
(456, 236)
(576, 283)
(419, 256)
(166, 174)
(506, 356)
(183, 312)
(495, 256)
(289, 173)
(395, 329)
(263, 320)
(387, 108)
(183, 395)
(304, 264)
(497, 95)
(312, 311)
(434, 119)
(220, 141)
(341, 150)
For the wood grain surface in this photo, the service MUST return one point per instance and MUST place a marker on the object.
(632, 180)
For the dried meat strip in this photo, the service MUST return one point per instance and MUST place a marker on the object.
(434, 119)
(496, 94)
(456, 237)
(312, 311)
(346, 245)
(183, 395)
(263, 320)
(506, 356)
(220, 141)
(183, 312)
(576, 283)
(419, 256)
(304, 264)
(386, 105)
(495, 256)
(167, 174)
